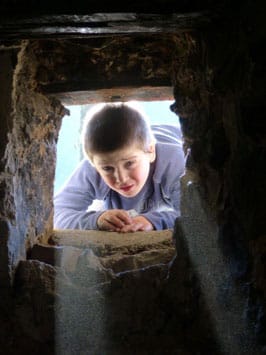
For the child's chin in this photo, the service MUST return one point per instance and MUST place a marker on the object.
(128, 193)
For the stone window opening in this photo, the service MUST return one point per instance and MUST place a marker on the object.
(158, 246)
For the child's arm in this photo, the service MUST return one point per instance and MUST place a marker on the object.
(170, 166)
(71, 203)
(165, 216)
(163, 219)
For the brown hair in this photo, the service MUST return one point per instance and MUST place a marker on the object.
(113, 126)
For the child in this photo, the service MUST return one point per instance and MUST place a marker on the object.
(134, 168)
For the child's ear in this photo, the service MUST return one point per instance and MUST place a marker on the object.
(152, 152)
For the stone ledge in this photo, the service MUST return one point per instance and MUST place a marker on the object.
(105, 250)
(108, 243)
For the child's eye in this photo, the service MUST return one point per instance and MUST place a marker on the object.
(107, 169)
(129, 164)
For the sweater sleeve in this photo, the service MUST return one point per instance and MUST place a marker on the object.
(164, 217)
(170, 166)
(72, 201)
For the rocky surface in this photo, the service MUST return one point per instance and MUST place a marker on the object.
(110, 293)
(115, 251)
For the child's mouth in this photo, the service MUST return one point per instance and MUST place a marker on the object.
(126, 188)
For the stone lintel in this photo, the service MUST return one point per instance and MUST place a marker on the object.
(98, 24)
(123, 94)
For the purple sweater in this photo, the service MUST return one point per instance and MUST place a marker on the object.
(158, 201)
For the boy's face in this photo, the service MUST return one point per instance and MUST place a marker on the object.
(125, 170)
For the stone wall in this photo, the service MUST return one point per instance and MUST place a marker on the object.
(219, 90)
(32, 125)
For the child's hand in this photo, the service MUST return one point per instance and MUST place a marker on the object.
(139, 223)
(114, 220)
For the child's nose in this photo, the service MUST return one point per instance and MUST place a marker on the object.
(121, 175)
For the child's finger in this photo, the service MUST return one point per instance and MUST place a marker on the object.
(113, 220)
(145, 227)
(132, 228)
(104, 224)
(124, 217)
(120, 220)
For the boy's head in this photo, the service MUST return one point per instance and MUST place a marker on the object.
(119, 143)
(114, 126)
